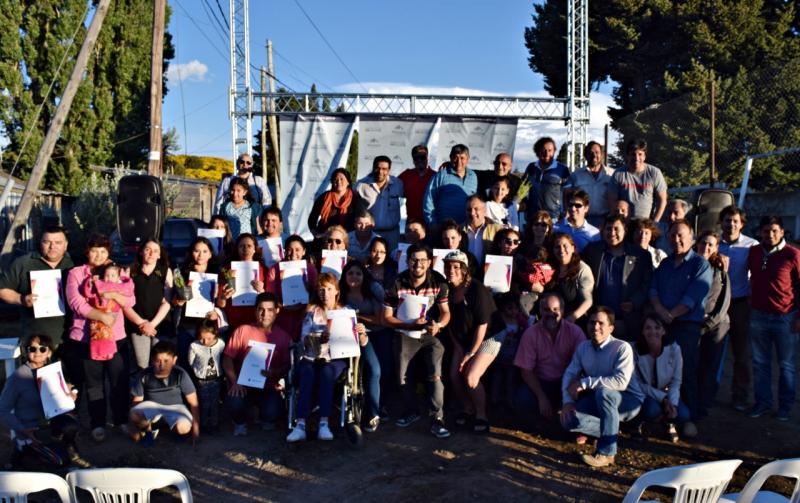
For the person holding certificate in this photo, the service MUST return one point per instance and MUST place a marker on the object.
(315, 367)
(220, 223)
(246, 249)
(290, 317)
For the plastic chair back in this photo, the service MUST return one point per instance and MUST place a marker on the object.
(15, 486)
(700, 483)
(127, 484)
(789, 468)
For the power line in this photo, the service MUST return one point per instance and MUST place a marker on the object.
(202, 32)
(219, 28)
(313, 78)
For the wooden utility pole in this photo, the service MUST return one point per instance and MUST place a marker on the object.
(713, 173)
(273, 126)
(263, 125)
(156, 69)
(53, 132)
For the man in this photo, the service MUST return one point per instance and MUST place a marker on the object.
(502, 167)
(575, 224)
(272, 223)
(15, 284)
(360, 240)
(678, 292)
(415, 180)
(414, 232)
(593, 179)
(159, 392)
(677, 209)
(381, 194)
(258, 186)
(420, 280)
(639, 184)
(622, 208)
(736, 246)
(547, 177)
(545, 350)
(268, 399)
(449, 189)
(599, 389)
(775, 316)
(480, 233)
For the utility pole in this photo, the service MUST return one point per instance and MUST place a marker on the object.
(156, 69)
(713, 173)
(49, 143)
(273, 125)
(263, 125)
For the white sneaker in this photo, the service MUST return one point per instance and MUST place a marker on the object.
(240, 430)
(324, 432)
(297, 434)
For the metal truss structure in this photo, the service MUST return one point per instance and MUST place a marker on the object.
(577, 78)
(240, 97)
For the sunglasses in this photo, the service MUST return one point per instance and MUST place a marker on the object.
(41, 349)
(335, 241)
(246, 163)
(575, 205)
(540, 224)
(513, 242)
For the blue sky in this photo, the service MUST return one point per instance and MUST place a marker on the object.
(442, 46)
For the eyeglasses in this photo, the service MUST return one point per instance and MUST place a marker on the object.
(576, 205)
(41, 349)
(417, 260)
(334, 241)
(513, 242)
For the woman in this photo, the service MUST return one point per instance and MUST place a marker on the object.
(21, 406)
(507, 244)
(152, 288)
(98, 249)
(362, 294)
(241, 210)
(644, 232)
(715, 323)
(471, 309)
(538, 233)
(659, 369)
(245, 249)
(316, 368)
(337, 206)
(380, 265)
(290, 318)
(454, 239)
(220, 223)
(573, 279)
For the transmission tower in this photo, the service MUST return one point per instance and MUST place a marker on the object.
(240, 99)
(577, 78)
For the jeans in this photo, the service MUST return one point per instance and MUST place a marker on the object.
(372, 380)
(432, 351)
(599, 413)
(208, 396)
(269, 402)
(767, 330)
(382, 342)
(651, 410)
(327, 373)
(712, 359)
(739, 314)
(95, 373)
(687, 335)
(525, 400)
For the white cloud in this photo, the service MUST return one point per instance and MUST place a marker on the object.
(193, 71)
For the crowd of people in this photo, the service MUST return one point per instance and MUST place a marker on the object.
(610, 314)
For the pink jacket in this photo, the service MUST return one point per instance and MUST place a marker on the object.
(81, 307)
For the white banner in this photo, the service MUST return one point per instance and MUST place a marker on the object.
(311, 148)
(485, 138)
(394, 137)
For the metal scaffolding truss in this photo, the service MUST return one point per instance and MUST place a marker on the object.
(240, 98)
(577, 77)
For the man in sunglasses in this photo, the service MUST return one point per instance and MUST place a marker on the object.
(575, 223)
(244, 170)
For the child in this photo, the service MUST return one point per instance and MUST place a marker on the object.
(508, 323)
(499, 208)
(101, 344)
(204, 358)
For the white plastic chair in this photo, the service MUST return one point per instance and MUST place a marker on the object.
(700, 483)
(127, 484)
(781, 468)
(15, 486)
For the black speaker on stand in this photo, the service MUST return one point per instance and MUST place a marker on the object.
(708, 206)
(140, 208)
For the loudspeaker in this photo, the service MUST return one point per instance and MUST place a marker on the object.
(707, 208)
(140, 208)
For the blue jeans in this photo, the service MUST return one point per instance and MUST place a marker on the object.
(269, 402)
(326, 373)
(767, 330)
(651, 410)
(599, 413)
(687, 335)
(382, 342)
(525, 400)
(372, 380)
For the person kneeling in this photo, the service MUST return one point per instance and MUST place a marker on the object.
(158, 393)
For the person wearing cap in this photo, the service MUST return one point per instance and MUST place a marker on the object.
(256, 184)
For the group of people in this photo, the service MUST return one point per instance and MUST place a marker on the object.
(602, 320)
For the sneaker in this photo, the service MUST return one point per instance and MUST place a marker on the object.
(324, 432)
(438, 429)
(758, 410)
(99, 434)
(297, 434)
(672, 433)
(597, 460)
(239, 430)
(372, 424)
(782, 415)
(149, 438)
(407, 420)
(689, 429)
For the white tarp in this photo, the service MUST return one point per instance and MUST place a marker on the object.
(311, 148)
(485, 138)
(392, 136)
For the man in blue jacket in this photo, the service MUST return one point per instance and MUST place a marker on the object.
(447, 192)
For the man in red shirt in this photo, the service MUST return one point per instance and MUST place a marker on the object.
(415, 180)
(774, 320)
(268, 399)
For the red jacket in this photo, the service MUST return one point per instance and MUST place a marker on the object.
(775, 283)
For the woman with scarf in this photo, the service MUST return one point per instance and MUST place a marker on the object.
(337, 206)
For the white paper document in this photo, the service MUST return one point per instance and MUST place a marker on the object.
(294, 282)
(333, 262)
(400, 257)
(271, 250)
(46, 286)
(497, 273)
(244, 273)
(438, 259)
(343, 342)
(257, 359)
(216, 236)
(203, 286)
(412, 308)
(53, 390)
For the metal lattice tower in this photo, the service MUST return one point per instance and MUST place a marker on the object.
(240, 96)
(577, 78)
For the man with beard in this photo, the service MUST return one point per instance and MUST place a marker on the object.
(381, 194)
(256, 184)
(548, 178)
(544, 351)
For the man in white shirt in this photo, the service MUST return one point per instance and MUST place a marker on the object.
(479, 232)
(256, 184)
(593, 179)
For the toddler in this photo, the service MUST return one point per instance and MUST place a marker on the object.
(99, 291)
(205, 354)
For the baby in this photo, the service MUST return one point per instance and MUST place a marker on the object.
(101, 340)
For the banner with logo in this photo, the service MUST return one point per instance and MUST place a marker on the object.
(394, 137)
(311, 148)
(485, 138)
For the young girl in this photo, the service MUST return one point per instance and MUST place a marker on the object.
(500, 208)
(96, 290)
(204, 357)
(241, 209)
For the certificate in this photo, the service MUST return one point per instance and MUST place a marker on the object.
(412, 308)
(53, 390)
(497, 273)
(343, 342)
(257, 359)
(216, 236)
(333, 262)
(438, 259)
(244, 273)
(294, 282)
(203, 286)
(271, 250)
(46, 286)
(401, 257)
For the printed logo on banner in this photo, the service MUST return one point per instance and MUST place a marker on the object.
(500, 146)
(373, 142)
(479, 145)
(478, 130)
(372, 127)
(475, 160)
(399, 129)
(397, 158)
(397, 144)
